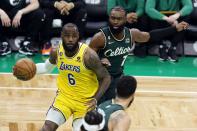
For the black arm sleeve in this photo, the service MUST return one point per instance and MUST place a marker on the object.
(159, 34)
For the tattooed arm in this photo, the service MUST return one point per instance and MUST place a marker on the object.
(93, 63)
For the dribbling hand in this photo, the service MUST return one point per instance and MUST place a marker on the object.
(92, 104)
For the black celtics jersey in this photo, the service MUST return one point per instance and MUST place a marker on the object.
(116, 50)
(9, 5)
(108, 107)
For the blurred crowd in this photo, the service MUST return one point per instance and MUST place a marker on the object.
(36, 19)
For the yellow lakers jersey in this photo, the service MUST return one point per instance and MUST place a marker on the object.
(75, 80)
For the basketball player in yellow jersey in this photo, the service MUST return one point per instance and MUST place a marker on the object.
(81, 81)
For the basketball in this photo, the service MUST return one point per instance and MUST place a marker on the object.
(24, 69)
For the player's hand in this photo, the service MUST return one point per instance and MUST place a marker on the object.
(5, 20)
(182, 26)
(17, 19)
(105, 62)
(132, 17)
(92, 104)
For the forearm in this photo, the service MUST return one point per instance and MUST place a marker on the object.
(154, 14)
(46, 67)
(151, 11)
(103, 86)
(1, 12)
(140, 7)
(32, 6)
(159, 34)
(187, 8)
(139, 12)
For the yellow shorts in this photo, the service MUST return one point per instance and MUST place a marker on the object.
(69, 107)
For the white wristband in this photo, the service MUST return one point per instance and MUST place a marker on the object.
(46, 67)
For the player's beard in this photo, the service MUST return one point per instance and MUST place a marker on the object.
(70, 47)
(117, 30)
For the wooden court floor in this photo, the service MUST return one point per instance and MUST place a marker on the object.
(161, 104)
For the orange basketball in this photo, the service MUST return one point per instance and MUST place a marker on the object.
(24, 69)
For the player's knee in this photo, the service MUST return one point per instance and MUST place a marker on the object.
(49, 126)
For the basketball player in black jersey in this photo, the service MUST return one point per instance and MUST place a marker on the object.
(114, 42)
(111, 115)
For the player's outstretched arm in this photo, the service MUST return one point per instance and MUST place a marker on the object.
(93, 62)
(48, 65)
(97, 43)
(157, 34)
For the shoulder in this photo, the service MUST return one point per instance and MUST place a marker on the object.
(104, 104)
(119, 120)
(90, 58)
(98, 40)
(120, 114)
(99, 36)
(89, 52)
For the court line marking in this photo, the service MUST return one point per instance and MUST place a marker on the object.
(157, 77)
(26, 88)
(167, 92)
(137, 91)
(165, 129)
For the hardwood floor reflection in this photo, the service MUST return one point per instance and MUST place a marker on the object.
(161, 104)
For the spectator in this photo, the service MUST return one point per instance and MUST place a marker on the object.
(20, 14)
(114, 42)
(73, 11)
(134, 10)
(135, 18)
(164, 13)
(116, 118)
(111, 115)
(81, 81)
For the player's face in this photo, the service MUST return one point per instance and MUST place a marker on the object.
(117, 21)
(70, 37)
